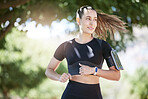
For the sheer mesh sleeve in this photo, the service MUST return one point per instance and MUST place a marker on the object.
(60, 52)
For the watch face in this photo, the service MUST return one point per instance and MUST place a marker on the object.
(96, 69)
(116, 59)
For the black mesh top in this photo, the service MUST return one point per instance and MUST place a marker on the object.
(92, 54)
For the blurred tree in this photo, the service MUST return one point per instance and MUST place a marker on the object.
(17, 70)
(134, 12)
(139, 83)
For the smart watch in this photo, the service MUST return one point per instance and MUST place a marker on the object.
(96, 70)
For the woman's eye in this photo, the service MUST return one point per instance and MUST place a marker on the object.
(95, 19)
(88, 19)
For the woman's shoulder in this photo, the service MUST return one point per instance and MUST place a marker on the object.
(102, 42)
(68, 41)
(65, 43)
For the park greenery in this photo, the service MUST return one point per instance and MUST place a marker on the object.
(22, 65)
(133, 12)
(139, 83)
(23, 60)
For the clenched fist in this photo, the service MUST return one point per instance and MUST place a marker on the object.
(64, 77)
(86, 70)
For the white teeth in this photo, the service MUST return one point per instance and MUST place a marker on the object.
(90, 28)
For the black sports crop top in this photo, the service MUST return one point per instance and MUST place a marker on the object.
(92, 54)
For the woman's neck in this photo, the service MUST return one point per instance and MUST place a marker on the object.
(84, 37)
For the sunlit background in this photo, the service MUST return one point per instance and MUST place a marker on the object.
(31, 30)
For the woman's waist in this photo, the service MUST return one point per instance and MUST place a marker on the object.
(87, 79)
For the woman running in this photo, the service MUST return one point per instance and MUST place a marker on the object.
(85, 55)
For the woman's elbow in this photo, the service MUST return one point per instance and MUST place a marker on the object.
(47, 72)
(118, 76)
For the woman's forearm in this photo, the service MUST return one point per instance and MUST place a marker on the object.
(109, 74)
(50, 73)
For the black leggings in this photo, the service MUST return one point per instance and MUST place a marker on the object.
(76, 90)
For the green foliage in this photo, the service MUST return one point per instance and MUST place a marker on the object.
(22, 67)
(133, 12)
(62, 68)
(139, 82)
(17, 70)
(49, 89)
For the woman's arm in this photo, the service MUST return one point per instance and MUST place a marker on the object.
(111, 74)
(50, 71)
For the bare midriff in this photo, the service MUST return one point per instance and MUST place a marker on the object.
(87, 79)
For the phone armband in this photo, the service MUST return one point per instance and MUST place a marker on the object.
(116, 60)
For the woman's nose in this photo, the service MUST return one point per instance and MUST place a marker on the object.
(91, 22)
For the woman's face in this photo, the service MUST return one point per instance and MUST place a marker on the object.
(88, 23)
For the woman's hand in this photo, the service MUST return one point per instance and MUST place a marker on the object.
(86, 70)
(64, 77)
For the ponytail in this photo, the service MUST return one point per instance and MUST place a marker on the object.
(106, 22)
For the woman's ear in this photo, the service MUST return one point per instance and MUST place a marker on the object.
(78, 20)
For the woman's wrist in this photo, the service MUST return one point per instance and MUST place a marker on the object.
(95, 71)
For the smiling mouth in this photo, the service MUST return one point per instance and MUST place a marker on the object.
(90, 28)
